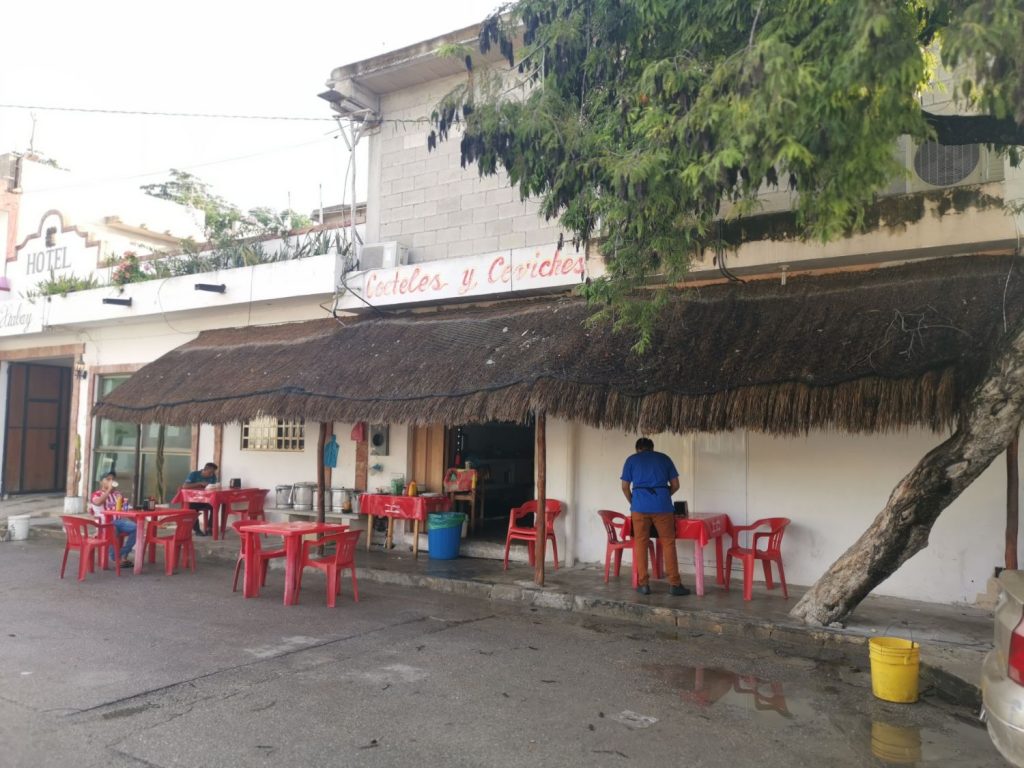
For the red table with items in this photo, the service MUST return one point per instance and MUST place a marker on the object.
(141, 518)
(701, 529)
(219, 499)
(292, 533)
(415, 508)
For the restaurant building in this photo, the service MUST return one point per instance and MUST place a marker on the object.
(807, 390)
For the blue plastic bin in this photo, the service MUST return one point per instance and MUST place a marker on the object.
(444, 532)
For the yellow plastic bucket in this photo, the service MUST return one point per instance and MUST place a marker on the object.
(895, 666)
(895, 744)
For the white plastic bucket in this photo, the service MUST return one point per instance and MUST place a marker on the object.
(18, 525)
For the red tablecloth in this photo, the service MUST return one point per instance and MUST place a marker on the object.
(403, 507)
(702, 528)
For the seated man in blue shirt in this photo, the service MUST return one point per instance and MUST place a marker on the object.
(201, 478)
(649, 479)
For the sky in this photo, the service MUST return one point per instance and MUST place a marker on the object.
(210, 57)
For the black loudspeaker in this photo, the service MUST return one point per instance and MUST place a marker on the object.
(682, 509)
(378, 440)
(236, 482)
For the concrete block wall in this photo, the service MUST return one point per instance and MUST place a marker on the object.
(428, 202)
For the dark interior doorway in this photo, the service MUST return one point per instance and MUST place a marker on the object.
(36, 434)
(504, 453)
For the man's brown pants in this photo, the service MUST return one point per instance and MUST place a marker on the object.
(665, 524)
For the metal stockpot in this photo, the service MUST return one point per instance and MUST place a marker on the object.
(337, 498)
(302, 496)
(282, 496)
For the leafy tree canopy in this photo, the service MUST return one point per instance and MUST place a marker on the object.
(642, 122)
(224, 221)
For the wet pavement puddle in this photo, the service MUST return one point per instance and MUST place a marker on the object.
(887, 736)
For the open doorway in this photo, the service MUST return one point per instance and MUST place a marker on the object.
(503, 452)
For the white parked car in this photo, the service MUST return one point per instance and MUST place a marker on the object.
(1002, 674)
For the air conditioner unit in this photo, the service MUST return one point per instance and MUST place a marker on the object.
(936, 166)
(382, 255)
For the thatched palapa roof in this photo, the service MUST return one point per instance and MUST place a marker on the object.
(860, 351)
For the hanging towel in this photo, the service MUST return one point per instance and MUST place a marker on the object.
(331, 453)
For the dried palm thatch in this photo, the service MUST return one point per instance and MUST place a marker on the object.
(863, 352)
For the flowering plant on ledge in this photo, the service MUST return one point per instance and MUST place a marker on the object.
(127, 270)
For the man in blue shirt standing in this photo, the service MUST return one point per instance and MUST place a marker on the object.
(649, 479)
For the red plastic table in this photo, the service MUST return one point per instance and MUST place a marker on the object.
(292, 533)
(415, 508)
(141, 517)
(221, 499)
(701, 529)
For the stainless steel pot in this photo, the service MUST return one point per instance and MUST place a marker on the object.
(335, 497)
(282, 496)
(302, 496)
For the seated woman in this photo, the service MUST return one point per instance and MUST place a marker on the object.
(105, 499)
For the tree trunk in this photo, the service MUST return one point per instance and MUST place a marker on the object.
(1012, 503)
(988, 422)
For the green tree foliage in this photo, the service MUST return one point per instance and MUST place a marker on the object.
(224, 221)
(644, 122)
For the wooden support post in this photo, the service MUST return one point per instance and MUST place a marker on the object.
(320, 474)
(540, 519)
(1012, 503)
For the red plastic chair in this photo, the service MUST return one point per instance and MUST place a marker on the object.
(620, 537)
(178, 545)
(770, 553)
(262, 556)
(77, 531)
(253, 509)
(344, 556)
(516, 532)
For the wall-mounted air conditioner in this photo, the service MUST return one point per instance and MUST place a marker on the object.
(936, 166)
(382, 255)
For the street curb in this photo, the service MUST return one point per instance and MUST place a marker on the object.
(797, 638)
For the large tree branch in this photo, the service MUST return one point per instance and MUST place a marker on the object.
(990, 420)
(976, 129)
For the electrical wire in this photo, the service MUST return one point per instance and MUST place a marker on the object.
(182, 166)
(145, 113)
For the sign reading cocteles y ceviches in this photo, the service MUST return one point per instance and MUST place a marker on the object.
(503, 272)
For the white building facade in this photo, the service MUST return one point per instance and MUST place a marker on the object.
(450, 222)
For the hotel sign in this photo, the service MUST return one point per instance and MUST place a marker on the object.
(54, 251)
(520, 270)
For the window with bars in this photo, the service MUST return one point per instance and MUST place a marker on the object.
(270, 434)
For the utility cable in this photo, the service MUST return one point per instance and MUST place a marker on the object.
(144, 113)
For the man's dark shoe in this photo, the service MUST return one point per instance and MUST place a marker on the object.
(643, 589)
(678, 590)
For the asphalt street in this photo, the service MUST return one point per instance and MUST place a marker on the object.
(178, 671)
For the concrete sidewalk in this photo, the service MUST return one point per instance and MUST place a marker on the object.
(954, 639)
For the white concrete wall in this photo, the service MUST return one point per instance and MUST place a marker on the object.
(833, 486)
(428, 202)
(266, 469)
(397, 462)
